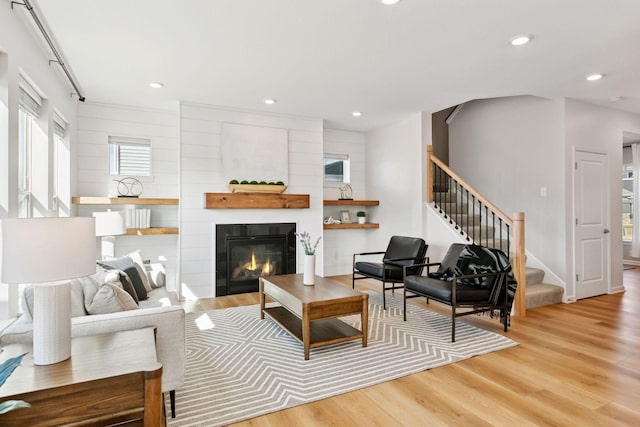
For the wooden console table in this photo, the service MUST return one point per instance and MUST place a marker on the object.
(110, 379)
(309, 313)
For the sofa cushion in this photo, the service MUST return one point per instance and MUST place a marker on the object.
(136, 257)
(127, 265)
(77, 301)
(115, 277)
(156, 274)
(111, 299)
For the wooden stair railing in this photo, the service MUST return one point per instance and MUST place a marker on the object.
(445, 187)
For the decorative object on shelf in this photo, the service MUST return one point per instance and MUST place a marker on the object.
(48, 252)
(362, 217)
(256, 186)
(309, 272)
(345, 217)
(129, 187)
(332, 220)
(346, 193)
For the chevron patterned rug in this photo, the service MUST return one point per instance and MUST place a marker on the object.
(240, 367)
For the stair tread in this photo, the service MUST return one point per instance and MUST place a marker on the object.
(541, 294)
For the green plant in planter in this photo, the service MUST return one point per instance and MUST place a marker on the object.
(361, 214)
(234, 181)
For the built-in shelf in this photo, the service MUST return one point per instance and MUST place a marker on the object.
(151, 231)
(158, 201)
(255, 201)
(350, 226)
(351, 202)
(90, 200)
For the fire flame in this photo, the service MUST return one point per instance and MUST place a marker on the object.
(253, 266)
(266, 267)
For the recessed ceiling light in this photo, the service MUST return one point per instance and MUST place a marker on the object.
(520, 40)
(594, 77)
(356, 113)
(270, 101)
(389, 2)
(156, 85)
(616, 98)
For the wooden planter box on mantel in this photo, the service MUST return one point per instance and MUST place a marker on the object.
(255, 201)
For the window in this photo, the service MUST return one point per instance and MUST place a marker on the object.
(32, 150)
(25, 123)
(61, 167)
(627, 195)
(336, 168)
(129, 156)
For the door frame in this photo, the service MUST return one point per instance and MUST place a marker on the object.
(572, 281)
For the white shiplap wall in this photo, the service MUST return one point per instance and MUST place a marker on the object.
(340, 245)
(96, 122)
(201, 173)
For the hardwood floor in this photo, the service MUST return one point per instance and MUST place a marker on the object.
(577, 365)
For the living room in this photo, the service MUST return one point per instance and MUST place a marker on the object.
(387, 154)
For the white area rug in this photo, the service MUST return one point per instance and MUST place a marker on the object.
(240, 367)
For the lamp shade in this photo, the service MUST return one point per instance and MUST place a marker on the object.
(35, 250)
(109, 223)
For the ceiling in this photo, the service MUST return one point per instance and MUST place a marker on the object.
(328, 58)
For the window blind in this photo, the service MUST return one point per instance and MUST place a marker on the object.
(129, 156)
(59, 125)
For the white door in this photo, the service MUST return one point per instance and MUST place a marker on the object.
(591, 234)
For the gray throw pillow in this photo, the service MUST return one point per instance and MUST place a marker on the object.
(127, 265)
(111, 299)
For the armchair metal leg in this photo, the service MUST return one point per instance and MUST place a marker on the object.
(384, 299)
(404, 304)
(172, 398)
(453, 323)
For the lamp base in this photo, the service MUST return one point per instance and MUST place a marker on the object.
(108, 247)
(51, 322)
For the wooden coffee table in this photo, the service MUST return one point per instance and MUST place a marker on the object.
(309, 313)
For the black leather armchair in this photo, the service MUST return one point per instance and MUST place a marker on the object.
(402, 252)
(469, 276)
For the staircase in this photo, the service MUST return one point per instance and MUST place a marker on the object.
(540, 293)
(478, 221)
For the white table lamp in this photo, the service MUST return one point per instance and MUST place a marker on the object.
(108, 225)
(48, 252)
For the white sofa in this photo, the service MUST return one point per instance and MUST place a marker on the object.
(161, 311)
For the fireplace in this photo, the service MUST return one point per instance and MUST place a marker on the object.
(244, 252)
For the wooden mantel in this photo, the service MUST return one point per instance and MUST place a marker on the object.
(255, 201)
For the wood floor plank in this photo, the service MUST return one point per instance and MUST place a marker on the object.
(577, 364)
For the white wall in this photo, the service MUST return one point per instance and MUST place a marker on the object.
(340, 245)
(601, 129)
(395, 159)
(201, 173)
(96, 122)
(21, 50)
(508, 149)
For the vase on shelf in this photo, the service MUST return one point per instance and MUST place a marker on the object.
(309, 272)
(361, 220)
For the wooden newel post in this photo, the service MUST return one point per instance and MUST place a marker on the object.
(430, 182)
(519, 263)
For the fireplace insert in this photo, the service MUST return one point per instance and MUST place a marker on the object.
(244, 252)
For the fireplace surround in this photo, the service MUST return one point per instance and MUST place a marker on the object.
(246, 251)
